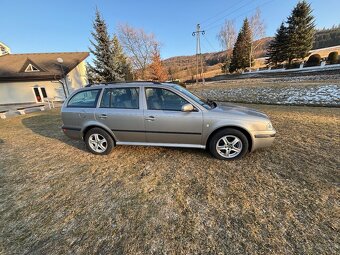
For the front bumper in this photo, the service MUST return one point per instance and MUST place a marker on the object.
(263, 139)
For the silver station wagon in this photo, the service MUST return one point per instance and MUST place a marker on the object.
(162, 114)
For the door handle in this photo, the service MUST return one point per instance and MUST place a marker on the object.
(102, 116)
(150, 118)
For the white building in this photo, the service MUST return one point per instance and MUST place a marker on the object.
(4, 49)
(34, 77)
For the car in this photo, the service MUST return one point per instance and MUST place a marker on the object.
(162, 114)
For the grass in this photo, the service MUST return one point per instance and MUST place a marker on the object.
(56, 198)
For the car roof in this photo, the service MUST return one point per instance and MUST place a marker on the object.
(129, 84)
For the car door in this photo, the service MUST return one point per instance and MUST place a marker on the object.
(166, 123)
(120, 111)
(80, 108)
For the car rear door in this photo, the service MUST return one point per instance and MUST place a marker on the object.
(120, 111)
(166, 123)
(78, 110)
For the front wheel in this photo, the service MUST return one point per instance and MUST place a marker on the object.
(229, 144)
(98, 141)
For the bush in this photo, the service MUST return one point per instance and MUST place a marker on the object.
(333, 57)
(278, 66)
(313, 60)
(293, 65)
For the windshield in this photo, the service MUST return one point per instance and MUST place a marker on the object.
(206, 103)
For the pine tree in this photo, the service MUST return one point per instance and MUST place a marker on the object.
(157, 70)
(277, 51)
(300, 31)
(242, 47)
(123, 67)
(104, 68)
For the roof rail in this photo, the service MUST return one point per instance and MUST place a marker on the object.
(117, 82)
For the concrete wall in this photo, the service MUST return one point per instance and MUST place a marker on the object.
(22, 92)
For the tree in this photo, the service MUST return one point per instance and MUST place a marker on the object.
(139, 46)
(258, 31)
(122, 63)
(277, 49)
(327, 37)
(300, 31)
(227, 39)
(104, 68)
(241, 51)
(157, 70)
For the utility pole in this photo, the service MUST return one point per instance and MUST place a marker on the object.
(197, 33)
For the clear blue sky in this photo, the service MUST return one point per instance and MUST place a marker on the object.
(65, 25)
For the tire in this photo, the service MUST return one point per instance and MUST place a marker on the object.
(236, 147)
(98, 141)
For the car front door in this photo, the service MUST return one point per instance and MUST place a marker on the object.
(166, 123)
(120, 111)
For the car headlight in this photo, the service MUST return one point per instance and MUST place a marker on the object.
(270, 126)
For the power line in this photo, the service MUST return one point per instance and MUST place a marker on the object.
(210, 44)
(220, 12)
(264, 3)
(232, 12)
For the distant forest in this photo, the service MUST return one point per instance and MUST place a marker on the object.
(327, 37)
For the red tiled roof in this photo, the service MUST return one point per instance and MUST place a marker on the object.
(12, 66)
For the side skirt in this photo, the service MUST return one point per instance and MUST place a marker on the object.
(163, 144)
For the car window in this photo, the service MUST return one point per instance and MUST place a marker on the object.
(85, 99)
(197, 99)
(123, 98)
(163, 99)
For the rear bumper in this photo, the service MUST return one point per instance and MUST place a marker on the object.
(263, 139)
(74, 133)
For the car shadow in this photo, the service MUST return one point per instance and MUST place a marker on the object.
(49, 126)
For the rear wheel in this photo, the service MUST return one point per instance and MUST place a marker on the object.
(98, 141)
(229, 144)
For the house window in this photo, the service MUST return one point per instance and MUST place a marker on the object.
(31, 68)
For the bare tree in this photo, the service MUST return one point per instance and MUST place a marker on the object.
(227, 35)
(139, 45)
(258, 31)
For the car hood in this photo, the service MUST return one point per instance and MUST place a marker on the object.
(239, 111)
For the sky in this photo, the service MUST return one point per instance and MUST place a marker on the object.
(65, 25)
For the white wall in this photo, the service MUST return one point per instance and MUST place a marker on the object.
(22, 92)
(77, 77)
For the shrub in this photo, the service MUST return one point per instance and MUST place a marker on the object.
(313, 60)
(278, 66)
(333, 57)
(293, 65)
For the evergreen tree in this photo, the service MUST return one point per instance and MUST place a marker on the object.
(300, 31)
(277, 49)
(123, 67)
(242, 47)
(104, 68)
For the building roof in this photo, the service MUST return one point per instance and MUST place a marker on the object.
(38, 66)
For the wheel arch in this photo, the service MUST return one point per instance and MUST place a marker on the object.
(243, 130)
(90, 126)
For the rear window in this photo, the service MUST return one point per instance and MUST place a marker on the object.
(85, 99)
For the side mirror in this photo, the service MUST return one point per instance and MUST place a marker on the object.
(187, 108)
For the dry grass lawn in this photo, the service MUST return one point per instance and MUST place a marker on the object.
(56, 198)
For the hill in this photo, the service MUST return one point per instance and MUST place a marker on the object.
(184, 67)
(327, 37)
